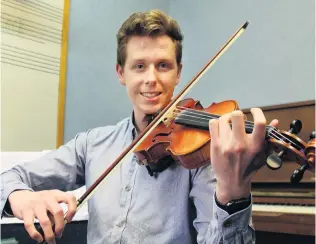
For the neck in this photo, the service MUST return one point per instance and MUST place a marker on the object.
(139, 122)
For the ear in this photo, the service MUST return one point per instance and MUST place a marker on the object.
(120, 73)
(179, 73)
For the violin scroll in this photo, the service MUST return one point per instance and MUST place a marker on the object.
(310, 156)
(285, 143)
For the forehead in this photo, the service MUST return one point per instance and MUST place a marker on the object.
(142, 47)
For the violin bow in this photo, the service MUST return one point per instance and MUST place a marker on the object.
(156, 121)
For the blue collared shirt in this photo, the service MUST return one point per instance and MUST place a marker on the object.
(177, 206)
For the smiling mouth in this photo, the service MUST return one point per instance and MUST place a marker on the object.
(150, 94)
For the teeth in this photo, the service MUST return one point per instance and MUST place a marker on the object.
(150, 94)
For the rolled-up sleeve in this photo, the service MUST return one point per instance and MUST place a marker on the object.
(213, 224)
(61, 169)
(234, 228)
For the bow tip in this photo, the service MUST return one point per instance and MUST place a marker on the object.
(245, 25)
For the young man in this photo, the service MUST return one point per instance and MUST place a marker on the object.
(177, 205)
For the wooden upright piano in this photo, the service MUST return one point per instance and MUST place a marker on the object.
(284, 212)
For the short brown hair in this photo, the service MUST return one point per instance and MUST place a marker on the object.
(150, 23)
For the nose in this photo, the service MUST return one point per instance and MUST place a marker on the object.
(152, 75)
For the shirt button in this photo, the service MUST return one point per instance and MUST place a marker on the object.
(128, 188)
(227, 223)
(120, 224)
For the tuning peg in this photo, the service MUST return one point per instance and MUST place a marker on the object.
(299, 173)
(295, 126)
(274, 162)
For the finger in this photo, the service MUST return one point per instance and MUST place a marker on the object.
(238, 125)
(213, 126)
(225, 127)
(71, 202)
(274, 123)
(259, 130)
(28, 218)
(41, 214)
(57, 215)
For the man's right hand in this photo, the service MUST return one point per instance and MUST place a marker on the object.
(43, 205)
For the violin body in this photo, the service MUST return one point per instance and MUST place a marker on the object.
(188, 145)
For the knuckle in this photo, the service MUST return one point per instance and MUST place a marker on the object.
(33, 234)
(227, 152)
(49, 237)
(58, 211)
(45, 222)
(59, 229)
(239, 148)
(28, 225)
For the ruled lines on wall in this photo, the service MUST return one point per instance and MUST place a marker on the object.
(31, 34)
(32, 65)
(29, 29)
(29, 59)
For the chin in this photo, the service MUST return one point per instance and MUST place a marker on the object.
(151, 109)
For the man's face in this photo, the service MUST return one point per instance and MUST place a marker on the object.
(150, 73)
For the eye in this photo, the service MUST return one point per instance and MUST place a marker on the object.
(139, 66)
(163, 65)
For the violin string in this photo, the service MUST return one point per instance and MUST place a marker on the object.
(248, 124)
(212, 116)
(208, 115)
(272, 131)
(206, 121)
(270, 134)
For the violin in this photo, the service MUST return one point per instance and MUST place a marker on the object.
(184, 136)
(181, 131)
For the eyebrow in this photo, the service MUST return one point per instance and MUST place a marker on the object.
(159, 59)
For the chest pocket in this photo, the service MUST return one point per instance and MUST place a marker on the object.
(153, 204)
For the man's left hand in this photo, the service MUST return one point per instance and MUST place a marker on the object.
(235, 155)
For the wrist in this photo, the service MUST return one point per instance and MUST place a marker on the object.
(228, 193)
(234, 206)
(14, 193)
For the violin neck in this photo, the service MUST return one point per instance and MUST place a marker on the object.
(201, 121)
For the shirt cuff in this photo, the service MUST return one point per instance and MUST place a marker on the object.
(229, 224)
(5, 208)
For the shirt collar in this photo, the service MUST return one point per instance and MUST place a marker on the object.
(132, 126)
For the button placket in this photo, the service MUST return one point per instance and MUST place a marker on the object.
(127, 195)
(127, 188)
(121, 224)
